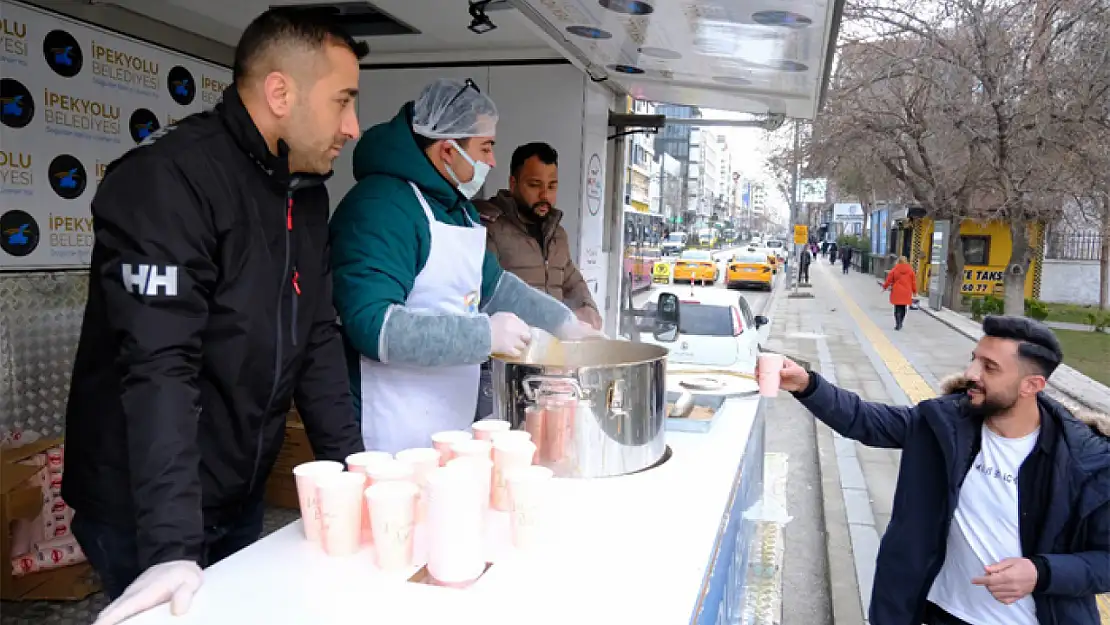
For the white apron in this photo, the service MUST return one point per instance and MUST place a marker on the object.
(402, 406)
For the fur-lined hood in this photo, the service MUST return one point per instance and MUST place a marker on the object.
(1098, 422)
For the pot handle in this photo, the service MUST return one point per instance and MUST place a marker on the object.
(532, 385)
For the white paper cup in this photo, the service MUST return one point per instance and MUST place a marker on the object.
(473, 448)
(392, 470)
(392, 515)
(508, 456)
(305, 475)
(529, 494)
(485, 429)
(511, 435)
(423, 461)
(770, 374)
(340, 501)
(456, 540)
(364, 459)
(481, 469)
(442, 441)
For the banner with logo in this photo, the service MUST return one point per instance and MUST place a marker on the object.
(73, 98)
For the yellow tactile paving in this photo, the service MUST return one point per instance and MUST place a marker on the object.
(915, 387)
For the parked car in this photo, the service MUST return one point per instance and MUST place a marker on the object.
(696, 266)
(716, 329)
(750, 269)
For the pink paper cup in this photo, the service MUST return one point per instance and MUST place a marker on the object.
(392, 506)
(362, 462)
(473, 448)
(423, 461)
(442, 441)
(340, 501)
(528, 502)
(484, 430)
(770, 374)
(508, 456)
(305, 475)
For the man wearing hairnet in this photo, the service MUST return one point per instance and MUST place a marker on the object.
(421, 302)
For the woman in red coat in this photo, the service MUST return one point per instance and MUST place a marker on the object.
(902, 282)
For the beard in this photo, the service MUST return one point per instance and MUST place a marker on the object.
(992, 404)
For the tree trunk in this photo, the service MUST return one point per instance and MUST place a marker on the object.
(954, 275)
(1104, 259)
(1015, 273)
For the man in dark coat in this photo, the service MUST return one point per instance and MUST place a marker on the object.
(1002, 509)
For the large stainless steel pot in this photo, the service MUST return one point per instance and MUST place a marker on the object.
(612, 419)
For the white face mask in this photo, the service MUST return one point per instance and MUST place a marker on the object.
(481, 170)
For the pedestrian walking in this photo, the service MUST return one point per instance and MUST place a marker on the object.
(902, 282)
(832, 253)
(845, 259)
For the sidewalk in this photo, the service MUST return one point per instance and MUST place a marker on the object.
(847, 331)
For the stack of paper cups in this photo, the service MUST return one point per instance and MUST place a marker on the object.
(456, 546)
(534, 425)
(508, 455)
(305, 476)
(341, 504)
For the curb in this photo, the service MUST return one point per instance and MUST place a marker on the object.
(843, 580)
(1055, 386)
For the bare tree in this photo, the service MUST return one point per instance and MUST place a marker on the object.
(1020, 85)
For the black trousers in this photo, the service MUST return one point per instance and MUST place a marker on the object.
(804, 277)
(899, 315)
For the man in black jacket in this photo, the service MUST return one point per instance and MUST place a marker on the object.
(1002, 510)
(209, 311)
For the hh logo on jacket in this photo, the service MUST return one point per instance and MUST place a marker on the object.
(150, 280)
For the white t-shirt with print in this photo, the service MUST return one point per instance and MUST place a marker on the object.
(985, 530)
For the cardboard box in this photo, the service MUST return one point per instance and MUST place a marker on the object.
(21, 497)
(281, 487)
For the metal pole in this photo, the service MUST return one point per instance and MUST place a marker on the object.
(795, 274)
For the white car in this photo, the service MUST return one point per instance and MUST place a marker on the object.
(716, 329)
(777, 247)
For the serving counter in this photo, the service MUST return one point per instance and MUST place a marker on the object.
(667, 546)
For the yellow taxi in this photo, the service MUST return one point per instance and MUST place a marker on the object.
(661, 273)
(696, 266)
(750, 269)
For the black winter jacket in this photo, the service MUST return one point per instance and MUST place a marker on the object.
(209, 310)
(1063, 494)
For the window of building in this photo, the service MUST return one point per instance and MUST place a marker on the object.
(976, 250)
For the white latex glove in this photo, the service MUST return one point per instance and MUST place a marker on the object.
(174, 582)
(578, 331)
(510, 335)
